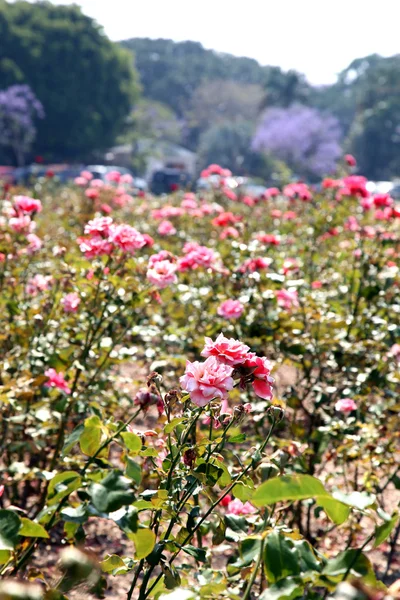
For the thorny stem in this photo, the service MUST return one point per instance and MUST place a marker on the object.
(29, 551)
(143, 594)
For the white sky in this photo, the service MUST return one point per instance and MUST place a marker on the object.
(317, 37)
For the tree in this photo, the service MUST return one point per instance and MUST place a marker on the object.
(229, 144)
(374, 137)
(286, 88)
(215, 102)
(171, 72)
(86, 83)
(307, 140)
(19, 108)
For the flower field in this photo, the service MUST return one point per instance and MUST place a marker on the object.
(214, 376)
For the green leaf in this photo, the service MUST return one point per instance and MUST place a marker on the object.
(382, 532)
(93, 436)
(113, 564)
(134, 470)
(308, 560)
(285, 589)
(300, 487)
(31, 529)
(10, 524)
(132, 441)
(72, 439)
(280, 557)
(354, 560)
(144, 540)
(62, 485)
(171, 426)
(237, 439)
(242, 492)
(111, 493)
(249, 551)
(198, 553)
(78, 514)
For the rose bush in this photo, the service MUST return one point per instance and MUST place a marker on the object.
(261, 460)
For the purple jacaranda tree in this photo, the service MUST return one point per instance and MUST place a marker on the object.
(19, 108)
(307, 140)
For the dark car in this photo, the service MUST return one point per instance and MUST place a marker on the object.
(166, 181)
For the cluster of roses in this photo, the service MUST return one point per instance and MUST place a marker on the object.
(226, 360)
(115, 183)
(104, 237)
(163, 266)
(19, 218)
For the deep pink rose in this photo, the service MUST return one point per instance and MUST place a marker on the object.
(56, 380)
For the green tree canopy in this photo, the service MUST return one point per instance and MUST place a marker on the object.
(86, 83)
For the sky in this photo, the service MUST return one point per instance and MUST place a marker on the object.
(316, 37)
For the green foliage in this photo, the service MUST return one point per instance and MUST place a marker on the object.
(86, 84)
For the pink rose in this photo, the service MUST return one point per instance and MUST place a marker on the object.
(345, 405)
(27, 204)
(114, 176)
(230, 309)
(95, 246)
(81, 181)
(207, 380)
(162, 273)
(162, 255)
(38, 283)
(126, 237)
(395, 351)
(56, 380)
(99, 226)
(237, 507)
(71, 302)
(87, 175)
(21, 224)
(287, 298)
(166, 228)
(35, 243)
(228, 351)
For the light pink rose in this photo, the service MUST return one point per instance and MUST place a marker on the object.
(35, 243)
(207, 380)
(162, 273)
(81, 181)
(21, 224)
(228, 351)
(237, 507)
(287, 298)
(38, 283)
(99, 226)
(71, 302)
(395, 351)
(345, 405)
(230, 309)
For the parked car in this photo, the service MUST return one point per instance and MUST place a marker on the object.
(166, 181)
